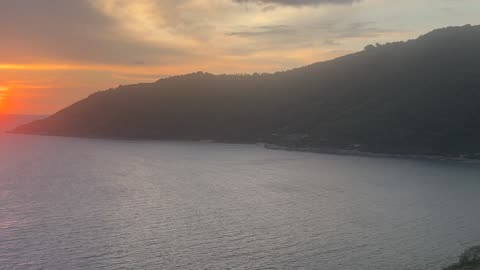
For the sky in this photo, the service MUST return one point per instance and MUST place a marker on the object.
(55, 52)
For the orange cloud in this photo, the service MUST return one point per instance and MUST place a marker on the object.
(222, 65)
(3, 94)
(114, 68)
(12, 92)
(3, 90)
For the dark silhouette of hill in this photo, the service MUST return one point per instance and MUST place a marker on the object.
(417, 97)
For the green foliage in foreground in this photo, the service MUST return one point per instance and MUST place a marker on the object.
(469, 260)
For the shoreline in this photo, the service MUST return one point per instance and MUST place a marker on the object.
(269, 146)
(344, 152)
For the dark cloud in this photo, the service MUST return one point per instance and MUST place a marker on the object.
(358, 30)
(105, 32)
(325, 35)
(330, 30)
(266, 30)
(298, 2)
(330, 42)
(72, 31)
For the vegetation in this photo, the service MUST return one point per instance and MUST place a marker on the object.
(416, 97)
(469, 260)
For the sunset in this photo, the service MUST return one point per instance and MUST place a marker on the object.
(3, 94)
(239, 134)
(79, 47)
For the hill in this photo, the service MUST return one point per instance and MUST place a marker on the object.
(416, 97)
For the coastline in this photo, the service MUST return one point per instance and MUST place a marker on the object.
(344, 152)
(270, 146)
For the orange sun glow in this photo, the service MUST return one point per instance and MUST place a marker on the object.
(3, 90)
(3, 93)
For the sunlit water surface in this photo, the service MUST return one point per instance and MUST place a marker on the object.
(70, 203)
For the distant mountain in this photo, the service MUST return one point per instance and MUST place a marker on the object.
(10, 121)
(417, 97)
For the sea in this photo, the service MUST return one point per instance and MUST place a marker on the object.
(80, 203)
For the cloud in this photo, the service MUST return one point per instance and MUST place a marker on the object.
(161, 32)
(266, 30)
(80, 46)
(330, 42)
(173, 36)
(299, 2)
(316, 34)
(74, 31)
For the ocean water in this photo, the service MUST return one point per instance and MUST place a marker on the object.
(72, 203)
